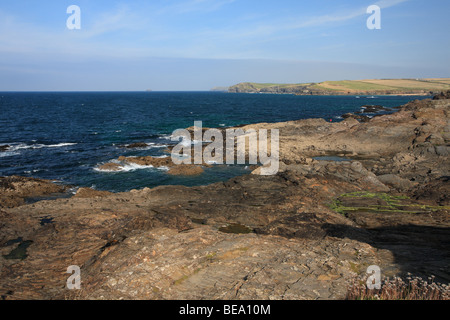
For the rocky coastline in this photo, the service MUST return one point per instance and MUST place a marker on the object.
(304, 233)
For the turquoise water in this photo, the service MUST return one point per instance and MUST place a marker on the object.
(65, 136)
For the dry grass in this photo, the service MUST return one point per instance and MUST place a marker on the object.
(353, 86)
(413, 288)
(439, 80)
(409, 84)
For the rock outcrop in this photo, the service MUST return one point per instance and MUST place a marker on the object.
(358, 117)
(14, 190)
(136, 145)
(303, 233)
(442, 95)
(185, 169)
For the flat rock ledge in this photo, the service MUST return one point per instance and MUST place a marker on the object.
(304, 233)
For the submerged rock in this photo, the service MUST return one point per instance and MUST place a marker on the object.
(147, 161)
(174, 169)
(136, 145)
(112, 166)
(4, 148)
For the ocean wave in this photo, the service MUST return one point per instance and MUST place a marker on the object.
(32, 171)
(8, 154)
(160, 146)
(64, 144)
(20, 146)
(150, 145)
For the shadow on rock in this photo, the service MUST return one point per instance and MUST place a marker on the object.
(420, 250)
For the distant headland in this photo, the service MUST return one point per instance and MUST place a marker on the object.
(350, 87)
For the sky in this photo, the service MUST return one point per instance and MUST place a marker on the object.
(184, 45)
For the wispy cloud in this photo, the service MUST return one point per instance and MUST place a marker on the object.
(316, 21)
(125, 32)
(294, 26)
(191, 6)
(120, 18)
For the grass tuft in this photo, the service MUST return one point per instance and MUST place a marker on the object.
(413, 288)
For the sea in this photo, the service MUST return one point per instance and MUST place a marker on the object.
(66, 136)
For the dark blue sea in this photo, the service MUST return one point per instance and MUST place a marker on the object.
(66, 136)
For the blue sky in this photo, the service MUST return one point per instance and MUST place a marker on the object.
(199, 44)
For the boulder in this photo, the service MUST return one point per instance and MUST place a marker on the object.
(396, 182)
(442, 150)
(435, 139)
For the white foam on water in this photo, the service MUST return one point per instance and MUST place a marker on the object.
(20, 146)
(64, 144)
(188, 142)
(133, 166)
(73, 190)
(150, 145)
(124, 167)
(165, 136)
(32, 171)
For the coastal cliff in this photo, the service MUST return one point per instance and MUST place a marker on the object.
(362, 87)
(304, 233)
